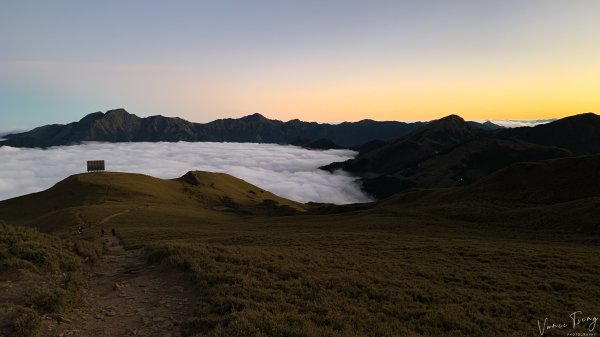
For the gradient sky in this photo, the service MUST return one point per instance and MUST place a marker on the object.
(325, 61)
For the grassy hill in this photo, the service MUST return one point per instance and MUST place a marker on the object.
(490, 259)
(86, 199)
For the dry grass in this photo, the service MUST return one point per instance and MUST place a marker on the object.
(376, 276)
(39, 274)
(405, 267)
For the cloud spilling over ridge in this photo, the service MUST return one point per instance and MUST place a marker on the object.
(288, 171)
(508, 123)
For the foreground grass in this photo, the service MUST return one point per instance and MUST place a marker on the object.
(39, 274)
(365, 275)
(426, 263)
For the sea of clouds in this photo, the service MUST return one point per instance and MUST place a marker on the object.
(287, 171)
(511, 123)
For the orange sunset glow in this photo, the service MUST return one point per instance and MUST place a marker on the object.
(317, 62)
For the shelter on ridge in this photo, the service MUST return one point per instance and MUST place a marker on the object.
(95, 165)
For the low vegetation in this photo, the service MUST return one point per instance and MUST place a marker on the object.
(425, 263)
(320, 277)
(40, 274)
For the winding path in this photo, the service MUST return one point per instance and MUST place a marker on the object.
(125, 296)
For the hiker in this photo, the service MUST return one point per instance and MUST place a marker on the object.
(113, 232)
(80, 229)
(102, 232)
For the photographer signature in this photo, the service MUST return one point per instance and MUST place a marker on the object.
(577, 320)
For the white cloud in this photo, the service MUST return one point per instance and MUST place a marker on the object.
(509, 123)
(288, 171)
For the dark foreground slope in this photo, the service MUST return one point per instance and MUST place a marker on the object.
(545, 182)
(490, 259)
(578, 133)
(120, 126)
(559, 195)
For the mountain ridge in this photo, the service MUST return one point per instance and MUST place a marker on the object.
(450, 152)
(393, 156)
(118, 125)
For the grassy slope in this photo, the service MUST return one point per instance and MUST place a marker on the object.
(410, 266)
(378, 274)
(39, 275)
(86, 199)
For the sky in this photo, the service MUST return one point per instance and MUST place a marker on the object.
(287, 171)
(325, 61)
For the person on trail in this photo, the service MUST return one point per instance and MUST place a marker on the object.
(113, 232)
(102, 231)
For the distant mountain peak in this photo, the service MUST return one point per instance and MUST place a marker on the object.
(451, 118)
(587, 116)
(452, 123)
(91, 117)
(117, 112)
(492, 126)
(255, 117)
(118, 125)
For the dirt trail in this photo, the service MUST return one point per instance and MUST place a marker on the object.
(108, 218)
(125, 296)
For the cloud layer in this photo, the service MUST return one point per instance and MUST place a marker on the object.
(509, 123)
(288, 171)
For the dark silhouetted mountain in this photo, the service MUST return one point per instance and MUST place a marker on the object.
(319, 144)
(472, 160)
(559, 194)
(256, 128)
(491, 126)
(545, 182)
(393, 156)
(486, 125)
(579, 133)
(451, 152)
(120, 126)
(422, 143)
(368, 146)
